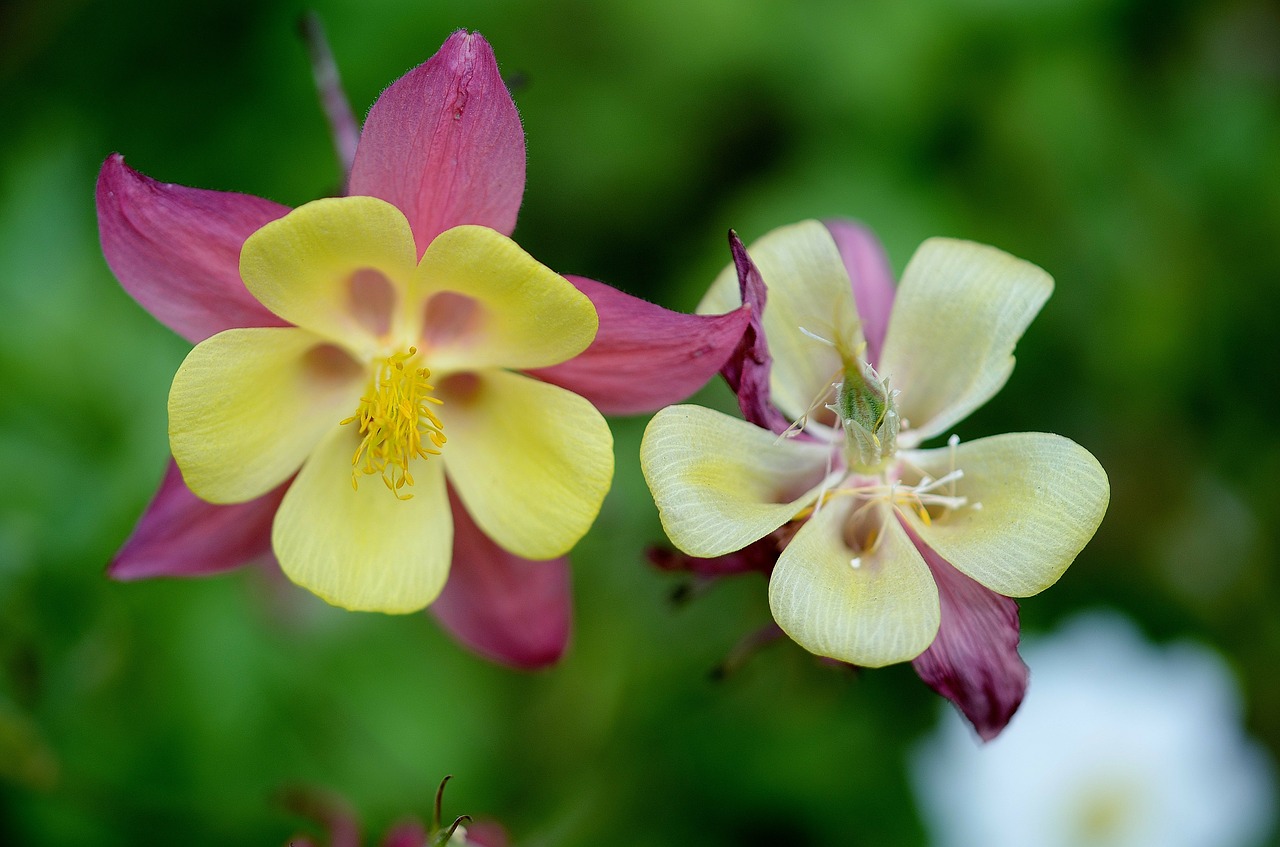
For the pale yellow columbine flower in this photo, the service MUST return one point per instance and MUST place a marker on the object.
(849, 480)
(395, 373)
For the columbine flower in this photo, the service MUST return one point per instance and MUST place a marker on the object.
(429, 383)
(384, 350)
(1125, 745)
(888, 552)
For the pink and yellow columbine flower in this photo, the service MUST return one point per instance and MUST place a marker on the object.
(396, 372)
(386, 391)
(885, 551)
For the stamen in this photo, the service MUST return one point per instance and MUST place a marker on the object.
(797, 426)
(926, 485)
(398, 424)
(816, 337)
(844, 346)
(917, 498)
(952, 443)
(929, 499)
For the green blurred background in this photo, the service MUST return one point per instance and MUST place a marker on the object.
(1131, 148)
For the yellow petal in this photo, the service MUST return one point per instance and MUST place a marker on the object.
(341, 267)
(1042, 497)
(531, 461)
(490, 304)
(721, 483)
(248, 405)
(960, 309)
(809, 290)
(883, 611)
(364, 549)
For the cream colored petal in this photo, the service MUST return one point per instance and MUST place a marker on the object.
(885, 610)
(490, 304)
(809, 289)
(341, 267)
(364, 549)
(960, 309)
(721, 483)
(248, 405)
(531, 461)
(1042, 497)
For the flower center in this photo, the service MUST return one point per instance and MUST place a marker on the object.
(865, 408)
(929, 499)
(397, 423)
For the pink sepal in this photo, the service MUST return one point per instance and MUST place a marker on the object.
(487, 834)
(176, 250)
(181, 535)
(872, 280)
(974, 661)
(407, 834)
(645, 357)
(748, 368)
(757, 557)
(445, 145)
(514, 611)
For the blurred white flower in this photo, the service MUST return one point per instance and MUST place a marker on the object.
(1120, 744)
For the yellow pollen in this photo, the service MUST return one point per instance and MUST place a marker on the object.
(397, 422)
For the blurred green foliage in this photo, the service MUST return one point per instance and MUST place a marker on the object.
(1130, 147)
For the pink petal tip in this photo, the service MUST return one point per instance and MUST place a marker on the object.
(444, 144)
(176, 250)
(747, 371)
(180, 535)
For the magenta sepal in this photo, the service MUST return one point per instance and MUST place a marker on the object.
(974, 660)
(871, 278)
(511, 610)
(407, 834)
(487, 834)
(645, 357)
(181, 535)
(444, 144)
(748, 369)
(757, 557)
(176, 250)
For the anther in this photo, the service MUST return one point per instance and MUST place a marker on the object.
(397, 424)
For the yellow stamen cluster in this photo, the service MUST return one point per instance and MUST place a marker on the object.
(397, 423)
